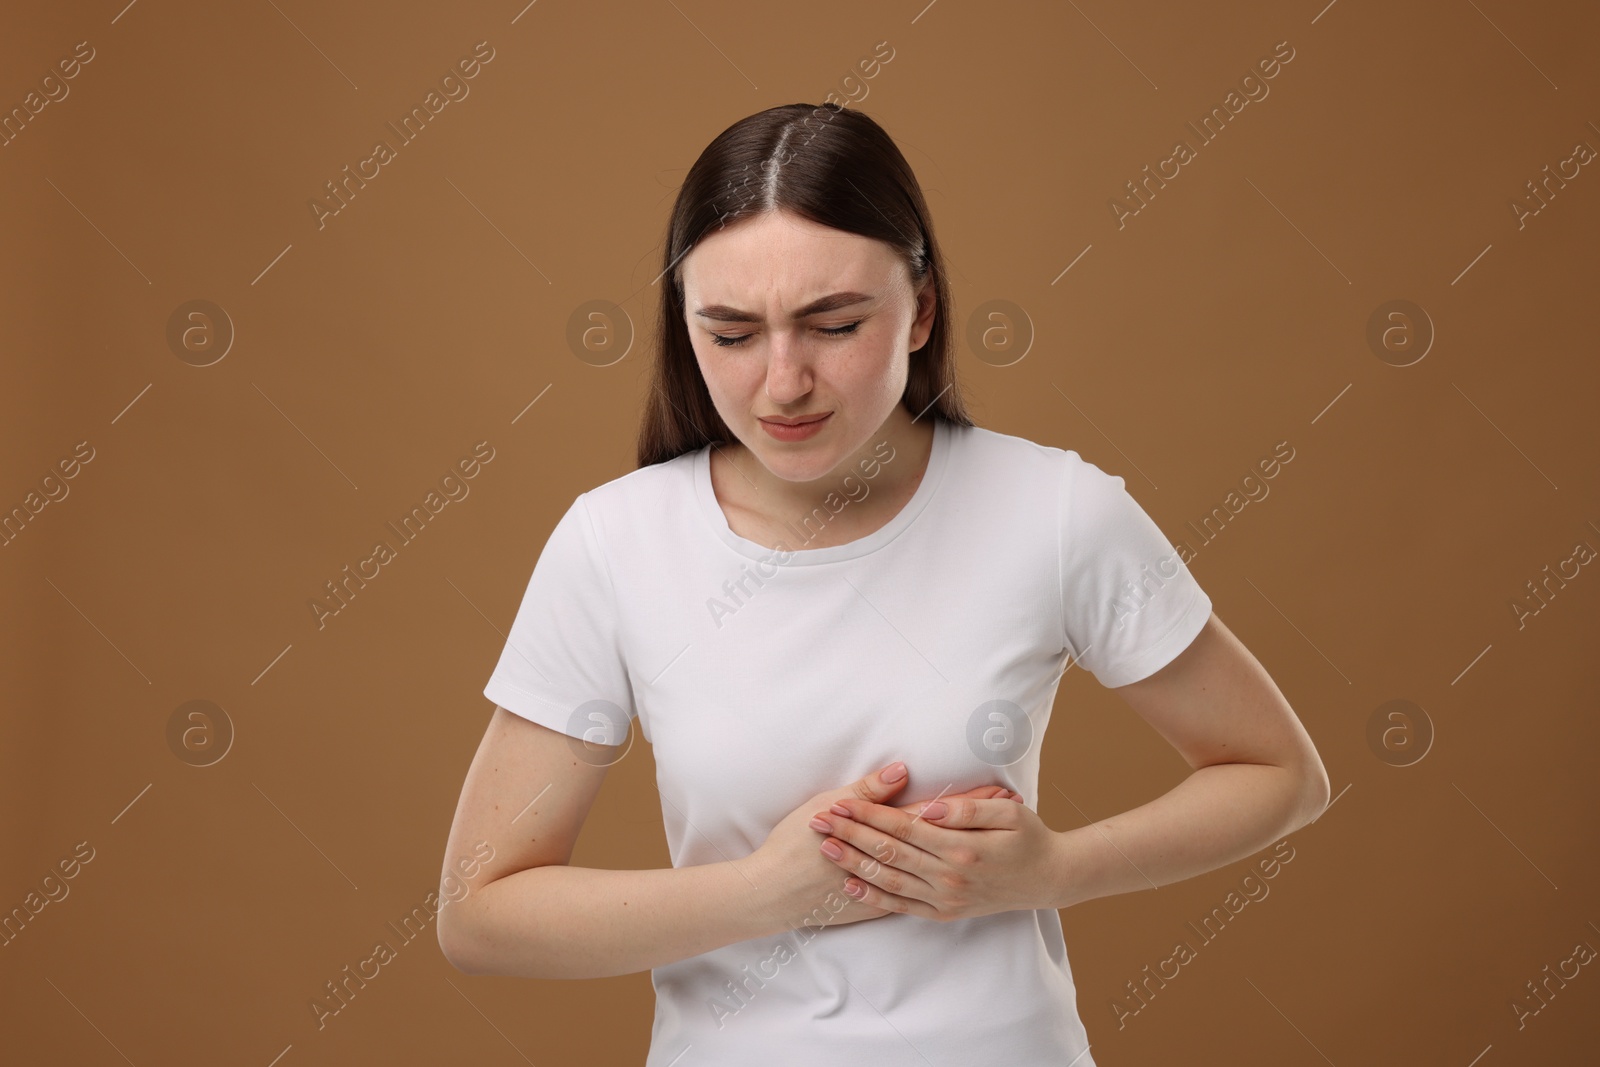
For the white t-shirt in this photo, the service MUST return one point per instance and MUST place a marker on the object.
(761, 678)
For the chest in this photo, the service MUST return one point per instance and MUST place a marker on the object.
(760, 686)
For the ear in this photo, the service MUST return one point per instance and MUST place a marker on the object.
(927, 306)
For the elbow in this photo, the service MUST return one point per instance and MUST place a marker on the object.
(458, 962)
(453, 946)
(1313, 790)
(453, 956)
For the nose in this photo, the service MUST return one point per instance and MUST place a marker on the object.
(788, 369)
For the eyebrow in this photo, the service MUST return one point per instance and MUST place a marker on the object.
(831, 302)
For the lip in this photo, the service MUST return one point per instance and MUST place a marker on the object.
(800, 430)
(798, 420)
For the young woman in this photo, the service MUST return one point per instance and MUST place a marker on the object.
(840, 612)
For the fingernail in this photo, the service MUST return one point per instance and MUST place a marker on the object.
(840, 809)
(934, 810)
(894, 772)
(853, 889)
(831, 850)
(819, 823)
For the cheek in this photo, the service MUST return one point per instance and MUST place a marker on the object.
(727, 376)
(866, 369)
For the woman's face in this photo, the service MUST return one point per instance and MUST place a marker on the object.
(765, 350)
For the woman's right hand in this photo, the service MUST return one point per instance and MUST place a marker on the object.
(799, 881)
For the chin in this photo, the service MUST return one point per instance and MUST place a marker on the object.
(790, 466)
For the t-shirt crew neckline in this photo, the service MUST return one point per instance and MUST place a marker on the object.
(706, 500)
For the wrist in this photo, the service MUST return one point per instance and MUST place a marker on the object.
(758, 896)
(1066, 868)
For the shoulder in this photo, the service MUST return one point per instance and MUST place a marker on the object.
(988, 453)
(640, 498)
(1056, 483)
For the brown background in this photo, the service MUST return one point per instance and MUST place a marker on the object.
(370, 354)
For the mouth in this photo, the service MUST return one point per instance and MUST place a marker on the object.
(799, 420)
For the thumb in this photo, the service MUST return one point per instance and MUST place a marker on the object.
(880, 784)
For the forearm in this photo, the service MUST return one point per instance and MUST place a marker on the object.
(1217, 815)
(581, 922)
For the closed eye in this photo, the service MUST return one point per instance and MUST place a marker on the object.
(722, 341)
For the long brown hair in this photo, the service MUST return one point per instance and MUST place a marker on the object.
(834, 166)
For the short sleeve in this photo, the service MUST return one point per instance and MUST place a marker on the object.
(1128, 603)
(562, 664)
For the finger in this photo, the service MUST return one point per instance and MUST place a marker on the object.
(878, 871)
(965, 813)
(880, 784)
(867, 893)
(905, 826)
(984, 792)
(864, 840)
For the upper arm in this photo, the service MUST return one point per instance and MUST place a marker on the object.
(525, 798)
(1215, 703)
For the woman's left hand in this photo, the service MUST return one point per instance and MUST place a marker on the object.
(977, 858)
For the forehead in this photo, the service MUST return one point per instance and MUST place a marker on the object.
(781, 256)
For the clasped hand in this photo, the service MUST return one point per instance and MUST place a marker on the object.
(946, 859)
